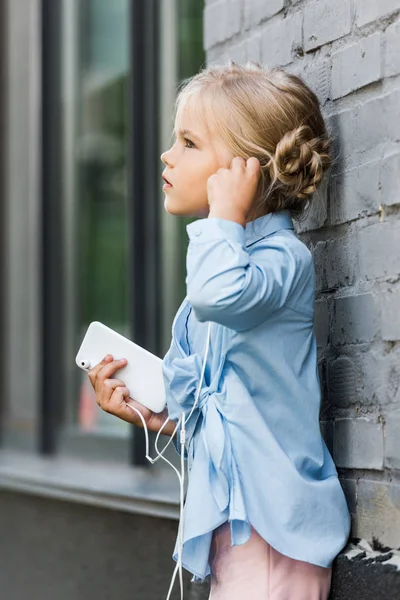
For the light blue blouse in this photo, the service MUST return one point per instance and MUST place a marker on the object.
(254, 447)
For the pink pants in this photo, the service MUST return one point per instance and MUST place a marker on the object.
(256, 571)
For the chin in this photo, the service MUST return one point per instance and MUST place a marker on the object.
(171, 210)
(182, 211)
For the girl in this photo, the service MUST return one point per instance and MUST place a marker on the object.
(265, 514)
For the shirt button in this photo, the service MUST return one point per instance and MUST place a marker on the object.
(196, 231)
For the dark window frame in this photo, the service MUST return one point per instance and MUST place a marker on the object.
(3, 75)
(143, 186)
(52, 232)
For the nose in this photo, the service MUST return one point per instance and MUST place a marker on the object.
(167, 157)
(164, 157)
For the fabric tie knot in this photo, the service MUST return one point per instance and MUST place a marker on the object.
(182, 376)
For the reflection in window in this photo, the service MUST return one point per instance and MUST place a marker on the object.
(95, 69)
(191, 60)
(96, 163)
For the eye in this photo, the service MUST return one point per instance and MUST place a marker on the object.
(189, 142)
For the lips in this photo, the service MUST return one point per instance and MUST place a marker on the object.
(166, 180)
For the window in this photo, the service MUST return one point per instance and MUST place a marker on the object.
(102, 246)
(95, 60)
(90, 89)
(185, 34)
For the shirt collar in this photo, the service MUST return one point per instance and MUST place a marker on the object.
(267, 224)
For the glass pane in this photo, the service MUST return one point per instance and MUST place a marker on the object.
(95, 64)
(182, 56)
(191, 57)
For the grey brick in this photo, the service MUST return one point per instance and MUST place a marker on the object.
(390, 376)
(335, 263)
(392, 54)
(378, 513)
(222, 20)
(318, 77)
(379, 250)
(320, 266)
(341, 262)
(371, 10)
(256, 11)
(390, 311)
(254, 48)
(355, 193)
(357, 377)
(358, 444)
(279, 40)
(325, 21)
(390, 179)
(318, 211)
(349, 487)
(356, 65)
(238, 52)
(355, 319)
(382, 117)
(322, 387)
(321, 323)
(371, 384)
(392, 446)
(342, 382)
(326, 428)
(342, 126)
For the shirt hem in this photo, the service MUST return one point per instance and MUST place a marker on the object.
(294, 556)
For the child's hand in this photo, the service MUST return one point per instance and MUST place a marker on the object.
(231, 192)
(113, 396)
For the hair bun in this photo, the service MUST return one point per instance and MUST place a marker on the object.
(299, 162)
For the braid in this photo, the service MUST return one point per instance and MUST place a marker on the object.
(299, 162)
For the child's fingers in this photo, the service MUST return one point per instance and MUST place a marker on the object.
(106, 390)
(119, 394)
(104, 370)
(253, 165)
(118, 406)
(238, 162)
(93, 372)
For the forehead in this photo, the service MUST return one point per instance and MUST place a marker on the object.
(198, 114)
(190, 115)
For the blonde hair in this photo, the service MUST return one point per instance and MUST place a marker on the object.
(272, 115)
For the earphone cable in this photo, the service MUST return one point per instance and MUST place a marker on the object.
(181, 476)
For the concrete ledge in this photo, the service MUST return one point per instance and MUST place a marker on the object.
(141, 490)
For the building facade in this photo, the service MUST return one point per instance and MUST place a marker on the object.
(86, 107)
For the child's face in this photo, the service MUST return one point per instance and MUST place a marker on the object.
(192, 159)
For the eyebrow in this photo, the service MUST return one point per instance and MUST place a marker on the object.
(187, 132)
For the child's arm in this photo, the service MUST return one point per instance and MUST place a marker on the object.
(227, 285)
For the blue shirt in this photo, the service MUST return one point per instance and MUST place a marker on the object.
(254, 447)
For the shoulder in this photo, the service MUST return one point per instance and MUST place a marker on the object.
(287, 244)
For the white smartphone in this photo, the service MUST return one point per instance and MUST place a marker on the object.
(142, 374)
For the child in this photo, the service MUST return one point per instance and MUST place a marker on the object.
(265, 514)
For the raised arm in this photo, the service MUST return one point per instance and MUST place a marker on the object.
(231, 286)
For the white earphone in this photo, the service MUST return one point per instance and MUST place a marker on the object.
(181, 476)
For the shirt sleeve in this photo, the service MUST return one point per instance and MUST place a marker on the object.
(228, 285)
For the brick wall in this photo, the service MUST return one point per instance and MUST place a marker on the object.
(348, 51)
